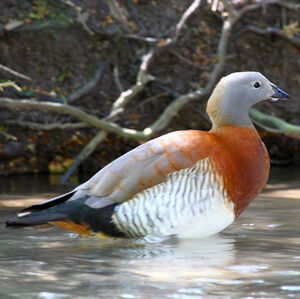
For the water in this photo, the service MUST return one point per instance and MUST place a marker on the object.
(256, 257)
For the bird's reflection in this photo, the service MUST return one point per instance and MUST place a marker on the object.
(179, 259)
(170, 260)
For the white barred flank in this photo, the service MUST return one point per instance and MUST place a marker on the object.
(191, 203)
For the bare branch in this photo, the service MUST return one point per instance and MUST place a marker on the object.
(47, 127)
(171, 111)
(117, 78)
(142, 79)
(264, 3)
(182, 100)
(185, 60)
(9, 84)
(15, 73)
(222, 51)
(149, 100)
(270, 30)
(88, 149)
(285, 4)
(150, 40)
(37, 26)
(118, 13)
(88, 87)
(76, 112)
(274, 124)
(8, 136)
(233, 14)
(82, 17)
(191, 9)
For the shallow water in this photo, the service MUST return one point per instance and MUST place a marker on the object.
(256, 257)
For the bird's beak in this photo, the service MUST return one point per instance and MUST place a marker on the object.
(278, 93)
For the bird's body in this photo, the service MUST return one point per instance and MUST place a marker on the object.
(186, 183)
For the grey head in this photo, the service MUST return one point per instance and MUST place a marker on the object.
(236, 93)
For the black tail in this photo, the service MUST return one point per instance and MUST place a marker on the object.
(47, 204)
(33, 219)
(30, 216)
(74, 215)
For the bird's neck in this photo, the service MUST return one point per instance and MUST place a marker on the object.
(224, 110)
(242, 159)
(230, 119)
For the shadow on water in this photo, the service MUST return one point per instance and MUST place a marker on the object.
(256, 257)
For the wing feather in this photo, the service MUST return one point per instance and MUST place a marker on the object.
(147, 165)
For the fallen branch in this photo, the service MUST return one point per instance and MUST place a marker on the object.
(46, 127)
(76, 112)
(274, 124)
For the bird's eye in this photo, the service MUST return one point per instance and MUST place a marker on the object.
(256, 84)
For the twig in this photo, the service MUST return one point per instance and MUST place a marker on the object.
(276, 31)
(9, 84)
(191, 9)
(37, 26)
(118, 106)
(233, 14)
(117, 78)
(149, 100)
(118, 13)
(88, 149)
(76, 112)
(8, 136)
(171, 110)
(274, 124)
(185, 60)
(142, 79)
(182, 100)
(82, 17)
(285, 4)
(221, 54)
(15, 73)
(86, 88)
(147, 39)
(47, 127)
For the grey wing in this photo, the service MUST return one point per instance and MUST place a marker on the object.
(145, 166)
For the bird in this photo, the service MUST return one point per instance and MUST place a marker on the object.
(188, 183)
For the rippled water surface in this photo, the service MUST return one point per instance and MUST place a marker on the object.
(257, 257)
